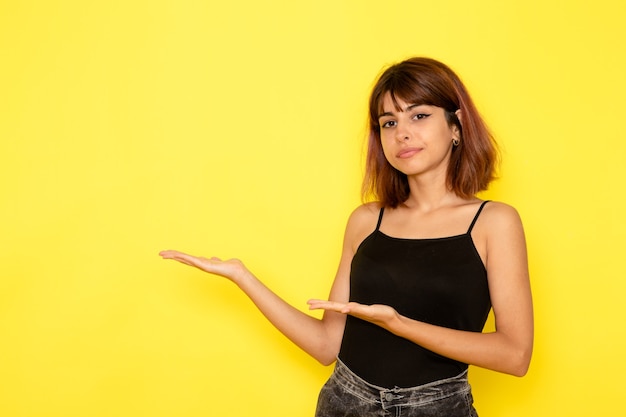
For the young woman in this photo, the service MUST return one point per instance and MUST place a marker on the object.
(421, 267)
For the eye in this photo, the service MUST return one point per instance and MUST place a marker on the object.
(420, 116)
(387, 124)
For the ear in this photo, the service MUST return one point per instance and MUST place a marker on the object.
(455, 128)
(456, 134)
(459, 115)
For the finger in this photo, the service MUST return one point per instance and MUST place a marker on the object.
(352, 308)
(314, 303)
(179, 256)
(170, 254)
(325, 305)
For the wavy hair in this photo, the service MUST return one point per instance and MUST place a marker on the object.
(427, 81)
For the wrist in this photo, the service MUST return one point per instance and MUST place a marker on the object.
(243, 278)
(395, 324)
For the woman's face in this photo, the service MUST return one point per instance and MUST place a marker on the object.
(416, 139)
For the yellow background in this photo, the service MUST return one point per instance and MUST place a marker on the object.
(236, 128)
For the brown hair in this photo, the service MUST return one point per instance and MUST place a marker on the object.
(426, 81)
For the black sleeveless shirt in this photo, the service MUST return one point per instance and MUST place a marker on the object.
(441, 281)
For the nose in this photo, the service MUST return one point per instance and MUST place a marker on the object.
(402, 133)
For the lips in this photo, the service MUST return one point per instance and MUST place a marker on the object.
(408, 152)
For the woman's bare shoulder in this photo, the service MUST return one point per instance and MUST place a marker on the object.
(497, 211)
(498, 217)
(366, 212)
(362, 223)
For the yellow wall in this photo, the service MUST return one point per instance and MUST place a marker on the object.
(235, 128)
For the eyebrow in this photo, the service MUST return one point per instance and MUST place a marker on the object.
(407, 109)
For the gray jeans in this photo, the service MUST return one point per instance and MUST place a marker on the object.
(347, 395)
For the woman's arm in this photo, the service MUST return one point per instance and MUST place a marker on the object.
(509, 348)
(319, 338)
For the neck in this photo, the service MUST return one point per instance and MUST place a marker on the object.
(428, 194)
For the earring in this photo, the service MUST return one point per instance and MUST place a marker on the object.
(455, 141)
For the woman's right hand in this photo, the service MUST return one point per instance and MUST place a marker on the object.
(232, 269)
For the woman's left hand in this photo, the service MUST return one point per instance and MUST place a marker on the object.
(379, 314)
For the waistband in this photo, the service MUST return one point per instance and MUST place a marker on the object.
(390, 397)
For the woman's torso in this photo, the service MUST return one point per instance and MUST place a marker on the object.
(441, 281)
